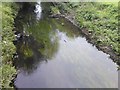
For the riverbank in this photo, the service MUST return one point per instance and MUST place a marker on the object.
(99, 24)
(8, 71)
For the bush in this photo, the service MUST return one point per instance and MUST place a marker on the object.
(9, 11)
(55, 10)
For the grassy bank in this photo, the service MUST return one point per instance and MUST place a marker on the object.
(98, 21)
(9, 12)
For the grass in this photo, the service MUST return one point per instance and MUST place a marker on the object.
(9, 11)
(102, 21)
(99, 18)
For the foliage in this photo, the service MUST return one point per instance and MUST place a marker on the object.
(102, 20)
(54, 10)
(9, 11)
(8, 72)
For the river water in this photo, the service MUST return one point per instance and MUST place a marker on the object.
(54, 54)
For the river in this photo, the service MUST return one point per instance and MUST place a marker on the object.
(52, 53)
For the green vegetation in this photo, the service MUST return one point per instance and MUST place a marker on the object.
(99, 19)
(9, 11)
(102, 21)
(54, 10)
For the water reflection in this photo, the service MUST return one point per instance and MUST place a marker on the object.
(29, 57)
(24, 17)
(38, 10)
(55, 55)
(39, 41)
(46, 33)
(77, 64)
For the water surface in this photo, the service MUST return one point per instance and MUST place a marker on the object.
(56, 55)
